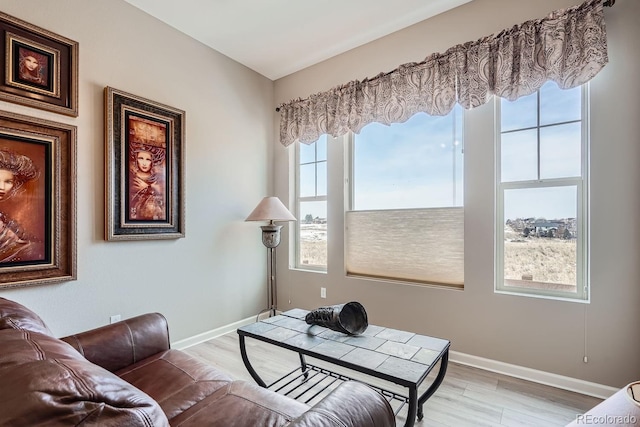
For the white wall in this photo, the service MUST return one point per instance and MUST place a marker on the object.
(214, 276)
(542, 334)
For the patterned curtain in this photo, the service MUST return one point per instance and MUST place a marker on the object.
(569, 47)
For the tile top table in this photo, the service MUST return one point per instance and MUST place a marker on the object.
(393, 355)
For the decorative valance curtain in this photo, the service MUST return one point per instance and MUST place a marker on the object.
(568, 47)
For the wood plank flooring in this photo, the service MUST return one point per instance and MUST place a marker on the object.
(467, 397)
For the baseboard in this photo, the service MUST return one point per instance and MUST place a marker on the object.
(541, 377)
(215, 333)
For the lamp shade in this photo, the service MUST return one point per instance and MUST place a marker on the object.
(270, 209)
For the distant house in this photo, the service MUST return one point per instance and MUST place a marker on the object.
(544, 228)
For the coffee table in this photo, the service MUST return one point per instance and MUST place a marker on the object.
(400, 357)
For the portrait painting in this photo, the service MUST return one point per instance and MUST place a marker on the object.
(24, 170)
(144, 170)
(33, 66)
(40, 69)
(37, 201)
(146, 185)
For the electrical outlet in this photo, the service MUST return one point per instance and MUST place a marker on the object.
(323, 292)
(115, 318)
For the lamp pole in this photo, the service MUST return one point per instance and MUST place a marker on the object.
(271, 239)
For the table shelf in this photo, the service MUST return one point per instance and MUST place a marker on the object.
(316, 382)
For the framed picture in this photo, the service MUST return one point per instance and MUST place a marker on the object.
(40, 67)
(144, 168)
(37, 201)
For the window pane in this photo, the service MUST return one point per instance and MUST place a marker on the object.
(519, 156)
(307, 152)
(458, 181)
(558, 105)
(519, 114)
(321, 152)
(407, 219)
(322, 179)
(415, 164)
(307, 180)
(540, 238)
(560, 151)
(313, 234)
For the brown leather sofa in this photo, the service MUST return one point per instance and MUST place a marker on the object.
(125, 374)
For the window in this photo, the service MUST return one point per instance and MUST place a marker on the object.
(542, 194)
(406, 220)
(311, 205)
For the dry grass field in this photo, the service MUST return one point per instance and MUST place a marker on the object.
(541, 259)
(539, 262)
(313, 244)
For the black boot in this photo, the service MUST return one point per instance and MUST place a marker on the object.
(349, 318)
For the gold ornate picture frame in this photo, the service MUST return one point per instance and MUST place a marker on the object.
(37, 201)
(144, 168)
(40, 67)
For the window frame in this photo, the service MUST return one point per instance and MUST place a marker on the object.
(582, 210)
(298, 265)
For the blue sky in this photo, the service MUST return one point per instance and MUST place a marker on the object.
(410, 165)
(559, 152)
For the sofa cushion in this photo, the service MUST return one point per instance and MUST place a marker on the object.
(175, 380)
(47, 382)
(242, 404)
(192, 393)
(16, 316)
(350, 404)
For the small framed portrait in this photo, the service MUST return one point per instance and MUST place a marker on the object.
(40, 67)
(37, 201)
(144, 168)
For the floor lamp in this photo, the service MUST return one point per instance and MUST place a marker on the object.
(271, 209)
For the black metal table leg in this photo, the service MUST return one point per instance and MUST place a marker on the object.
(444, 361)
(247, 364)
(413, 404)
(303, 366)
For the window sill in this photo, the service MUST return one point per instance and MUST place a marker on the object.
(541, 296)
(307, 270)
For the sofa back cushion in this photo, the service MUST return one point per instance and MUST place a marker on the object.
(17, 316)
(47, 382)
(129, 341)
(20, 347)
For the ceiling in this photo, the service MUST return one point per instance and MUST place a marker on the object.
(279, 37)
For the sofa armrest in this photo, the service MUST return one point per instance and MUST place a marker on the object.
(124, 343)
(352, 404)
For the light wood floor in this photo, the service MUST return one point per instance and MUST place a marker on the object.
(467, 397)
